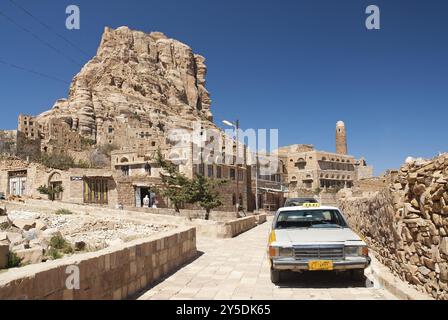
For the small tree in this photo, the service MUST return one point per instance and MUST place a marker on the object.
(204, 192)
(176, 186)
(50, 191)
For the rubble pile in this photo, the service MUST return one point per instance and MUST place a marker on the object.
(28, 235)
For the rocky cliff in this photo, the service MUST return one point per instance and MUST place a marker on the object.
(148, 77)
(406, 223)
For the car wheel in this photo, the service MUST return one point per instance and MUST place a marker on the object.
(357, 274)
(275, 276)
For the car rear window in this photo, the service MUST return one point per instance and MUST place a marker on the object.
(298, 201)
(318, 218)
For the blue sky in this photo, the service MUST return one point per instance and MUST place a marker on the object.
(298, 66)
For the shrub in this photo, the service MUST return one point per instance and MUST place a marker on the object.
(68, 249)
(63, 212)
(58, 242)
(54, 254)
(13, 260)
(51, 192)
(58, 247)
(87, 142)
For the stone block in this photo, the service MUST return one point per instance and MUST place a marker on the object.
(5, 223)
(30, 256)
(24, 224)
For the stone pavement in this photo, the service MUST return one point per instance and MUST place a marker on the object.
(238, 268)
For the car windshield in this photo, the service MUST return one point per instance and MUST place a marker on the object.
(319, 218)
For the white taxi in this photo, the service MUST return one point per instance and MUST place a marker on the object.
(314, 237)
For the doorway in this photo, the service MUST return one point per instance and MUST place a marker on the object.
(141, 193)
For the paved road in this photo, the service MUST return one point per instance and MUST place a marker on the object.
(238, 269)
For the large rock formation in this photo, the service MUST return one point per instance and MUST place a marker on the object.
(149, 78)
(406, 223)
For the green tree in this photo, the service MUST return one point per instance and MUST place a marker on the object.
(176, 186)
(50, 191)
(181, 189)
(204, 191)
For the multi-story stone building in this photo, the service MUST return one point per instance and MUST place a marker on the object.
(311, 169)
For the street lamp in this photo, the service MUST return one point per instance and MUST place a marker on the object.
(236, 126)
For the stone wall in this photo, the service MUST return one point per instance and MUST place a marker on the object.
(114, 273)
(406, 224)
(228, 229)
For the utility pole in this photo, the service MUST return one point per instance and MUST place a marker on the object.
(237, 128)
(256, 181)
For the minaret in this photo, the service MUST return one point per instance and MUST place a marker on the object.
(341, 138)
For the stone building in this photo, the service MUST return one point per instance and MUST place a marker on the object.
(54, 135)
(309, 169)
(268, 184)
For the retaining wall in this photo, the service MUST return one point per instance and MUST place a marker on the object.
(113, 273)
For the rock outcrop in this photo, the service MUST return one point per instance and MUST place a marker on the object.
(135, 75)
(406, 223)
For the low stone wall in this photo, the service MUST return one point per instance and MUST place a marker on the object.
(113, 273)
(406, 224)
(190, 213)
(228, 229)
(260, 218)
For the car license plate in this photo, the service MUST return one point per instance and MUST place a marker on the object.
(320, 265)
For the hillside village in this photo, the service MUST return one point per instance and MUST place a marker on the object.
(99, 145)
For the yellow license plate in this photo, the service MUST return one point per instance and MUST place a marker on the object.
(320, 265)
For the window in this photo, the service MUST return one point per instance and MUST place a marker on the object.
(300, 164)
(148, 169)
(201, 169)
(240, 175)
(232, 174)
(218, 172)
(125, 170)
(210, 170)
(96, 190)
(310, 219)
(233, 199)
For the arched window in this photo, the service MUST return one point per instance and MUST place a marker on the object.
(124, 159)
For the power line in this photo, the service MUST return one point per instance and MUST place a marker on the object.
(12, 65)
(46, 26)
(40, 39)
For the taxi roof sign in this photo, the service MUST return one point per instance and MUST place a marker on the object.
(311, 205)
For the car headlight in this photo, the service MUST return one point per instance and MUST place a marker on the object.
(280, 252)
(356, 251)
(285, 252)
